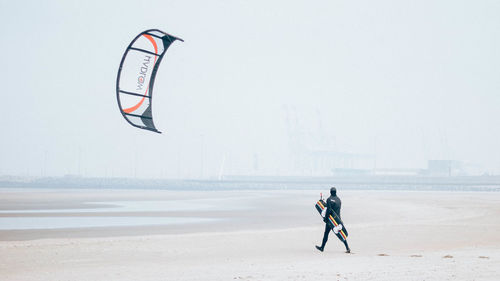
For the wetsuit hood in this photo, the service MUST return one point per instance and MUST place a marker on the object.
(333, 191)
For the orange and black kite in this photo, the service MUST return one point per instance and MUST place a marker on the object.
(136, 76)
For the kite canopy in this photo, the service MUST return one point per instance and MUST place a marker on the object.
(136, 76)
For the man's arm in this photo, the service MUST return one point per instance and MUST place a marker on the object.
(327, 210)
(330, 204)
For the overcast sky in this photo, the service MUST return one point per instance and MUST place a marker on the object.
(401, 81)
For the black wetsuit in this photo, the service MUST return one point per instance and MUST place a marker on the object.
(333, 203)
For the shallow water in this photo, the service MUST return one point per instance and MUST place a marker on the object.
(142, 206)
(113, 207)
(23, 223)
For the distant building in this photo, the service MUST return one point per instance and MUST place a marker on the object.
(444, 168)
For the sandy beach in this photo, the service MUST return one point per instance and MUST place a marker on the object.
(252, 235)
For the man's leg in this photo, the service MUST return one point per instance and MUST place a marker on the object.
(347, 250)
(325, 237)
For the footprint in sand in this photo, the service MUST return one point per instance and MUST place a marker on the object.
(448, 257)
(383, 255)
(484, 257)
(416, 256)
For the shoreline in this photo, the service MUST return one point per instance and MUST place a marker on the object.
(420, 182)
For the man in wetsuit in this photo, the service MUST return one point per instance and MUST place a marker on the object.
(333, 203)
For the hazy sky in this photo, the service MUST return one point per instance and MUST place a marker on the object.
(403, 81)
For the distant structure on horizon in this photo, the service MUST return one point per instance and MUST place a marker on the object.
(315, 153)
(446, 168)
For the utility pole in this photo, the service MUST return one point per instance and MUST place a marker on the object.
(202, 154)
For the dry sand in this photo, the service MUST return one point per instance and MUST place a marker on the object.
(393, 235)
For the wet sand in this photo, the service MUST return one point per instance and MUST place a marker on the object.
(393, 235)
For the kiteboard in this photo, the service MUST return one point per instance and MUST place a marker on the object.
(333, 220)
